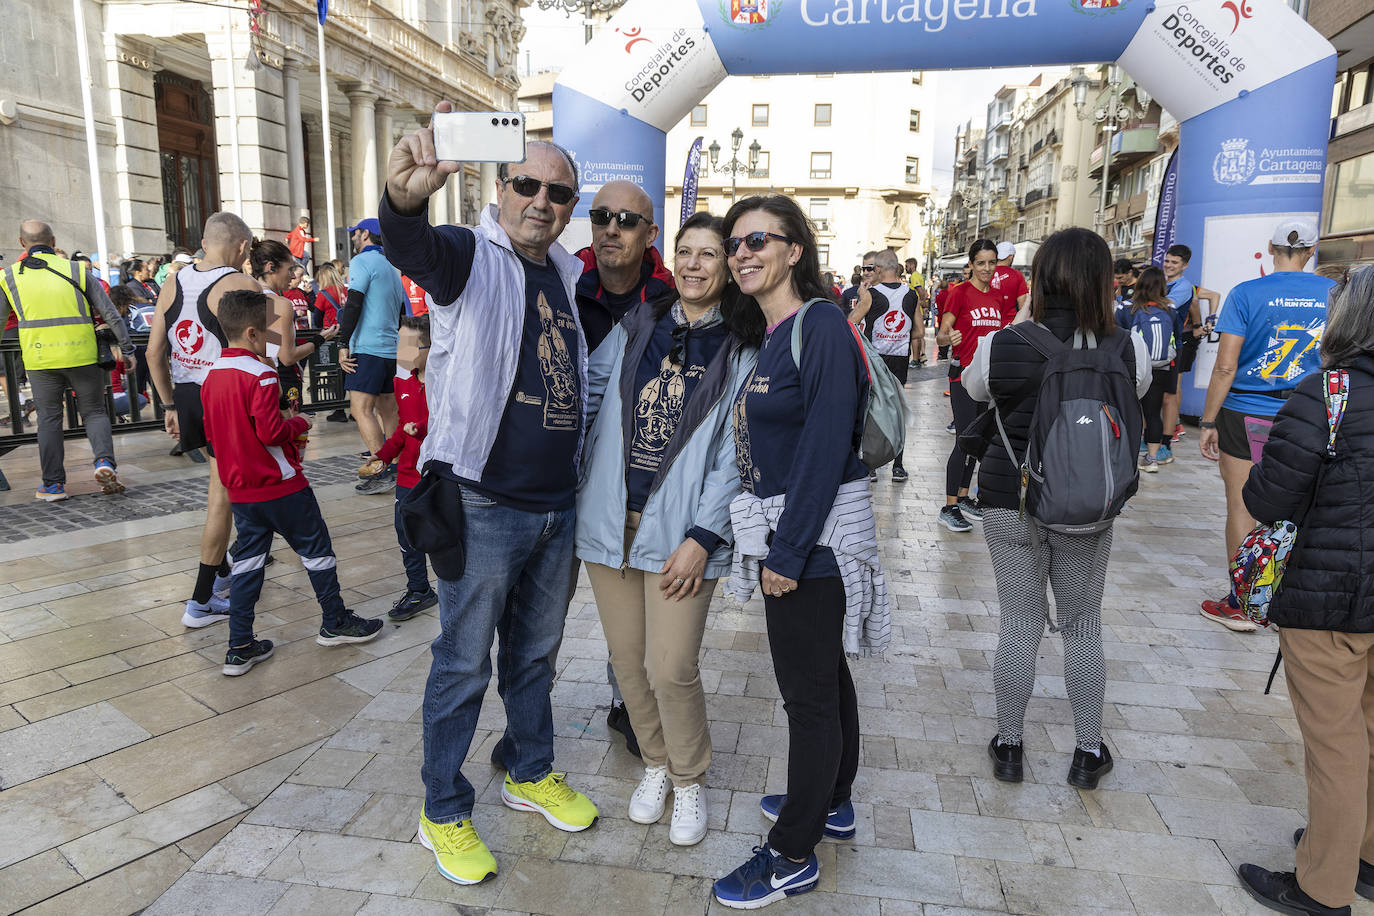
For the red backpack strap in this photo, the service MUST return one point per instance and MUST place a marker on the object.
(863, 353)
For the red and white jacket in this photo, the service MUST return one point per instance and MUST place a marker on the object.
(410, 408)
(255, 447)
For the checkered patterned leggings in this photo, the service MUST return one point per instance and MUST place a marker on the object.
(1078, 575)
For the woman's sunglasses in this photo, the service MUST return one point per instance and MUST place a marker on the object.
(625, 219)
(526, 186)
(754, 241)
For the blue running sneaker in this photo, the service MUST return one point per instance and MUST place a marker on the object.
(51, 493)
(1165, 455)
(839, 824)
(766, 878)
(1143, 448)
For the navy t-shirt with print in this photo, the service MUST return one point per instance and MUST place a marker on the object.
(795, 432)
(662, 390)
(533, 461)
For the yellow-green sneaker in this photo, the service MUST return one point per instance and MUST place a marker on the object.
(551, 797)
(459, 852)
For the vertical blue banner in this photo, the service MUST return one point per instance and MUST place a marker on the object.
(690, 176)
(1166, 214)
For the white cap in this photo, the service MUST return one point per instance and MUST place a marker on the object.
(1005, 250)
(1295, 233)
(182, 258)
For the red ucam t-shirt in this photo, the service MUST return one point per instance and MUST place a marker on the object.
(976, 315)
(1008, 283)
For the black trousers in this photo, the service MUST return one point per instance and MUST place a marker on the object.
(959, 467)
(1152, 405)
(899, 365)
(806, 637)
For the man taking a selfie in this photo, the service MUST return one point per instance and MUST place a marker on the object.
(506, 381)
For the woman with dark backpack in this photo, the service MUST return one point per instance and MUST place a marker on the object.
(1151, 312)
(1324, 481)
(1071, 298)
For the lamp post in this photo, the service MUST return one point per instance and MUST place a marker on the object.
(734, 168)
(928, 213)
(1110, 116)
(588, 8)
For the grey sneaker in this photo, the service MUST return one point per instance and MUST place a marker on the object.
(969, 508)
(954, 520)
(383, 482)
(1149, 464)
(352, 629)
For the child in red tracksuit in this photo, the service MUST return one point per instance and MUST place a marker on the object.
(412, 352)
(258, 458)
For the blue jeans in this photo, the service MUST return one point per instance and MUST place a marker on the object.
(515, 583)
(417, 570)
(296, 518)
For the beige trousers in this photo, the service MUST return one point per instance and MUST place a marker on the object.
(654, 647)
(1331, 684)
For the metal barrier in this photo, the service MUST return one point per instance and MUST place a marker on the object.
(321, 389)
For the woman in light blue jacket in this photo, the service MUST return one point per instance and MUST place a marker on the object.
(653, 512)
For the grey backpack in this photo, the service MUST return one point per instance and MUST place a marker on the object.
(1080, 462)
(884, 434)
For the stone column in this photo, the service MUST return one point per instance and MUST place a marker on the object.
(488, 183)
(260, 132)
(295, 142)
(363, 123)
(343, 177)
(139, 224)
(386, 139)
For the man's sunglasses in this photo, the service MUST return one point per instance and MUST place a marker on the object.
(868, 267)
(754, 241)
(526, 186)
(625, 219)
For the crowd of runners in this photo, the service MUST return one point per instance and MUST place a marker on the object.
(667, 425)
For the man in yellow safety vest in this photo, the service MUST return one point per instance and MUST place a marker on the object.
(53, 299)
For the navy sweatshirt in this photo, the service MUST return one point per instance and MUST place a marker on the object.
(662, 390)
(795, 433)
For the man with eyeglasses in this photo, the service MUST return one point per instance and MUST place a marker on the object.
(868, 276)
(622, 268)
(506, 381)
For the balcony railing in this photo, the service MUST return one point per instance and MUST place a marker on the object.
(1039, 194)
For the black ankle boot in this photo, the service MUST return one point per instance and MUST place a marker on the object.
(1088, 769)
(1006, 760)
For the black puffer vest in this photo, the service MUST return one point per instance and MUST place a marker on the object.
(1011, 363)
(1329, 582)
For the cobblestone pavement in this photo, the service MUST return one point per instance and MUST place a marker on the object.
(136, 776)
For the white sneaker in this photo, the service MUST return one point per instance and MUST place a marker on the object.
(202, 615)
(647, 802)
(689, 816)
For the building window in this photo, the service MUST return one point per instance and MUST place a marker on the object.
(699, 116)
(761, 169)
(915, 121)
(1351, 195)
(703, 204)
(760, 116)
(823, 255)
(818, 208)
(913, 170)
(822, 114)
(820, 165)
(916, 78)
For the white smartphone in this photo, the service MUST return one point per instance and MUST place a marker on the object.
(480, 136)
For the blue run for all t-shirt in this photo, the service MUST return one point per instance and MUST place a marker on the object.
(662, 390)
(1282, 317)
(384, 301)
(795, 433)
(532, 465)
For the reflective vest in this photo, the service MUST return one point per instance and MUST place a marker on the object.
(55, 328)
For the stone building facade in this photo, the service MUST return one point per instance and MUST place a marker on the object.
(174, 146)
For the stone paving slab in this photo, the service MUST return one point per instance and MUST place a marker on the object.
(142, 780)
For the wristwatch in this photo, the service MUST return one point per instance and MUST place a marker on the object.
(1207, 424)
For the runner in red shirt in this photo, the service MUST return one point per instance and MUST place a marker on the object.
(1008, 282)
(972, 311)
(415, 296)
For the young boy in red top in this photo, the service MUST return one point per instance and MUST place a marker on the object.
(259, 463)
(412, 352)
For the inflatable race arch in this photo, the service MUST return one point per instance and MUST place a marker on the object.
(1249, 80)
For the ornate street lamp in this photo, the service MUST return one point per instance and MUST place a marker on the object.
(589, 9)
(734, 168)
(1109, 117)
